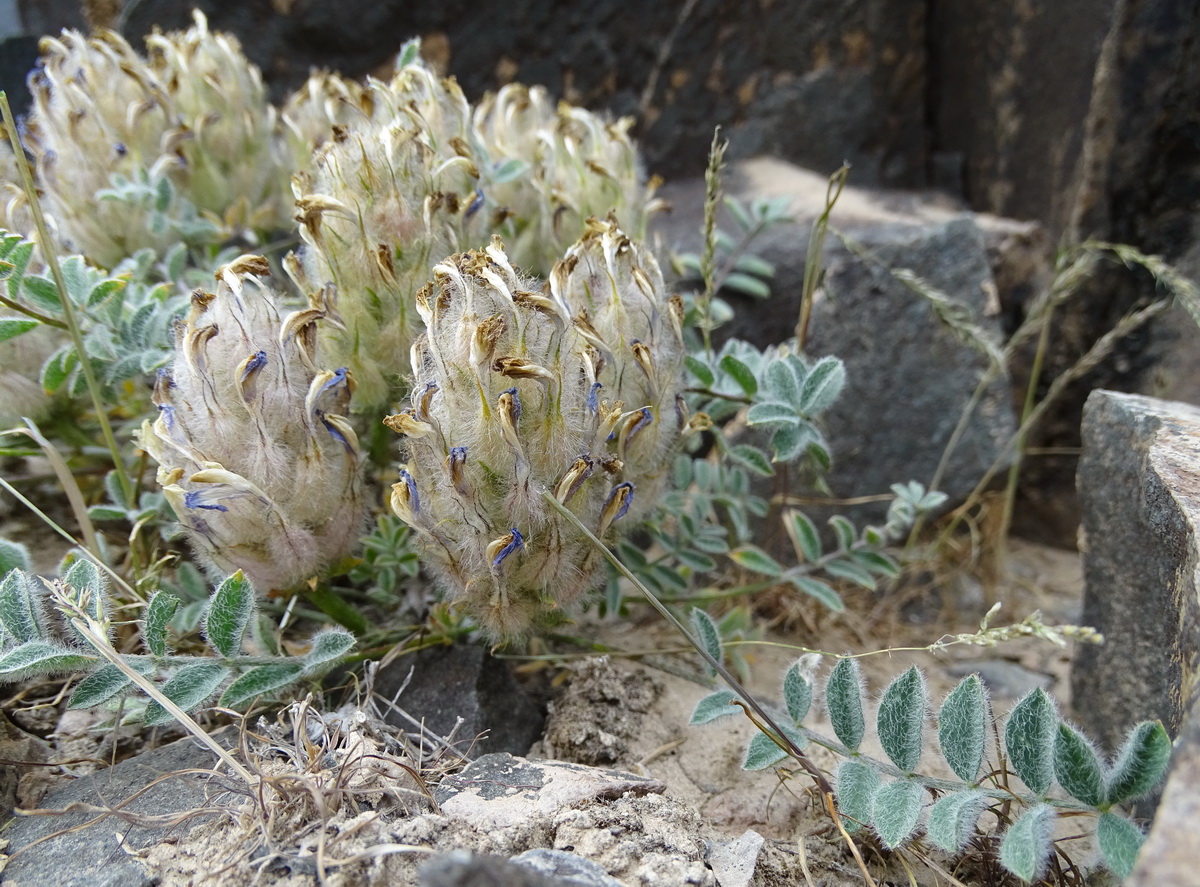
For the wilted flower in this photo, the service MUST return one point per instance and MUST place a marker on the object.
(548, 168)
(324, 103)
(254, 451)
(390, 197)
(508, 401)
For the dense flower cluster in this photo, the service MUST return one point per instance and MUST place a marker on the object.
(254, 451)
(517, 389)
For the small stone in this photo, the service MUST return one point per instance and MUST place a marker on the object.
(567, 869)
(733, 862)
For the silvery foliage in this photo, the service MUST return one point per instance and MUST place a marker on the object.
(898, 803)
(38, 637)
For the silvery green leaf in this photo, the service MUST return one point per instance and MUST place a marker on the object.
(752, 458)
(843, 698)
(771, 413)
(708, 635)
(159, 610)
(509, 171)
(260, 680)
(856, 785)
(1028, 843)
(694, 560)
(782, 385)
(897, 809)
(100, 686)
(700, 370)
(822, 591)
(741, 374)
(962, 728)
(409, 54)
(901, 722)
(797, 693)
(755, 265)
(58, 368)
(105, 512)
(789, 444)
(764, 752)
(843, 530)
(11, 327)
(747, 285)
(38, 657)
(1029, 740)
(805, 537)
(42, 292)
(754, 558)
(739, 213)
(1119, 841)
(13, 556)
(953, 818)
(822, 386)
(1141, 764)
(229, 613)
(875, 561)
(90, 586)
(328, 646)
(1077, 766)
(21, 615)
(188, 687)
(714, 706)
(852, 572)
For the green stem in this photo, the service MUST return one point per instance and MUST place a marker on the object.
(48, 253)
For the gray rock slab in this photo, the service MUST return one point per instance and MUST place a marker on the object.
(1139, 485)
(93, 853)
(461, 868)
(464, 681)
(500, 790)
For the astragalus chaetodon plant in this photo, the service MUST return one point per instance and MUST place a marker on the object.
(255, 454)
(510, 399)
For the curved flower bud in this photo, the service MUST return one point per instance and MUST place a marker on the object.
(503, 408)
(551, 167)
(254, 451)
(389, 195)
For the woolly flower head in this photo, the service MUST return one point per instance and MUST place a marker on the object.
(135, 153)
(254, 451)
(326, 103)
(507, 402)
(101, 117)
(389, 198)
(236, 167)
(550, 167)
